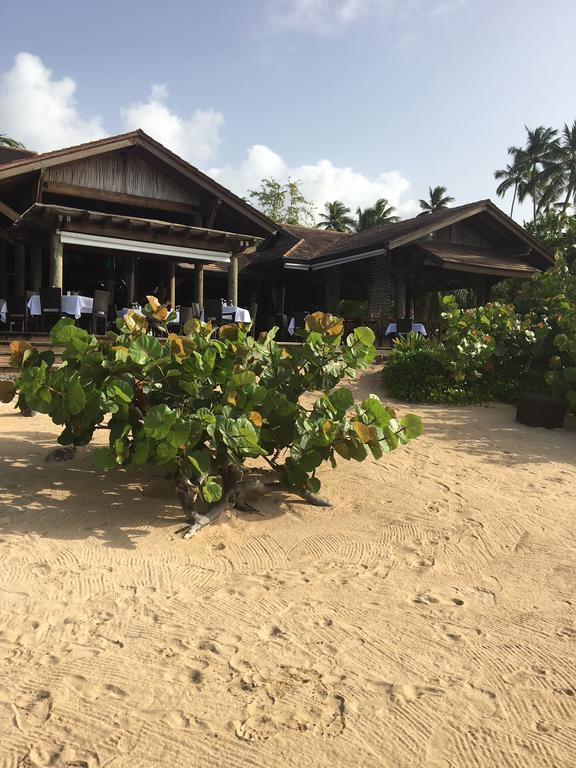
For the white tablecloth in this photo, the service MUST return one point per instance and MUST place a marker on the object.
(416, 328)
(3, 310)
(237, 314)
(70, 305)
(292, 326)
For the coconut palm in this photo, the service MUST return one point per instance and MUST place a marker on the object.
(562, 170)
(513, 177)
(337, 217)
(538, 160)
(6, 141)
(438, 200)
(378, 215)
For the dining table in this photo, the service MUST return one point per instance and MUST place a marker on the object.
(235, 314)
(70, 304)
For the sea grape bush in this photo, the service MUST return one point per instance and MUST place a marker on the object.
(202, 403)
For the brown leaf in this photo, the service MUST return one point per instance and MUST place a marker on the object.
(19, 347)
(364, 432)
(255, 418)
(154, 303)
(228, 331)
(7, 391)
(324, 323)
(135, 322)
(176, 343)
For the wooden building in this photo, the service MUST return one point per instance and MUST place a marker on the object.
(126, 214)
(394, 269)
(123, 213)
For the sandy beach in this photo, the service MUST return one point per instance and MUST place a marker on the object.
(428, 619)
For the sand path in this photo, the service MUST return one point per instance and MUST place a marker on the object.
(427, 619)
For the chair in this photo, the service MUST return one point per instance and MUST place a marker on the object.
(196, 310)
(50, 305)
(186, 314)
(16, 312)
(282, 323)
(213, 311)
(100, 310)
(403, 326)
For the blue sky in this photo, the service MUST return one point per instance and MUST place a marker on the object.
(358, 98)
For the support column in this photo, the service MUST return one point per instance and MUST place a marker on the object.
(399, 297)
(380, 303)
(130, 276)
(19, 269)
(36, 267)
(172, 283)
(56, 261)
(332, 290)
(111, 278)
(3, 280)
(233, 280)
(199, 284)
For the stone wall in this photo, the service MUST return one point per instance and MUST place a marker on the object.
(380, 294)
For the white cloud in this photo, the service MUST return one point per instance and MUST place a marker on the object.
(42, 112)
(39, 110)
(195, 138)
(320, 182)
(325, 16)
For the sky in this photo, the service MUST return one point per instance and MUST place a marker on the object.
(357, 99)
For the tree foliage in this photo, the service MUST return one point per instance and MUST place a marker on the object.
(337, 217)
(201, 404)
(438, 200)
(283, 202)
(377, 215)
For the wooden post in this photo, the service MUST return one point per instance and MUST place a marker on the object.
(130, 277)
(56, 261)
(111, 278)
(3, 281)
(199, 284)
(233, 280)
(19, 269)
(172, 283)
(36, 267)
(399, 297)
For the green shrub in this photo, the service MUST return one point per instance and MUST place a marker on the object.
(352, 308)
(417, 376)
(199, 405)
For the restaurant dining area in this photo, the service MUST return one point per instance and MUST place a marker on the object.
(89, 232)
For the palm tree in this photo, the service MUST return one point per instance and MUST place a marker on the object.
(6, 141)
(563, 168)
(337, 217)
(538, 161)
(512, 178)
(438, 200)
(378, 215)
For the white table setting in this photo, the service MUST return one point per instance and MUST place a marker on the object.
(70, 304)
(236, 314)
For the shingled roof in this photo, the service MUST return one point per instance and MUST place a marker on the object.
(315, 246)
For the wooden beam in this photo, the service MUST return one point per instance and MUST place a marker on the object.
(56, 261)
(172, 283)
(212, 215)
(233, 280)
(3, 280)
(20, 269)
(130, 277)
(36, 267)
(9, 212)
(199, 284)
(120, 198)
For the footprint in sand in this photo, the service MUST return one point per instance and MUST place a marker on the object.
(568, 632)
(295, 700)
(94, 691)
(33, 711)
(405, 693)
(442, 598)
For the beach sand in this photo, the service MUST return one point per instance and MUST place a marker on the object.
(427, 619)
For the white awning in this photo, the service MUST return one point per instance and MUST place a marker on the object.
(141, 246)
